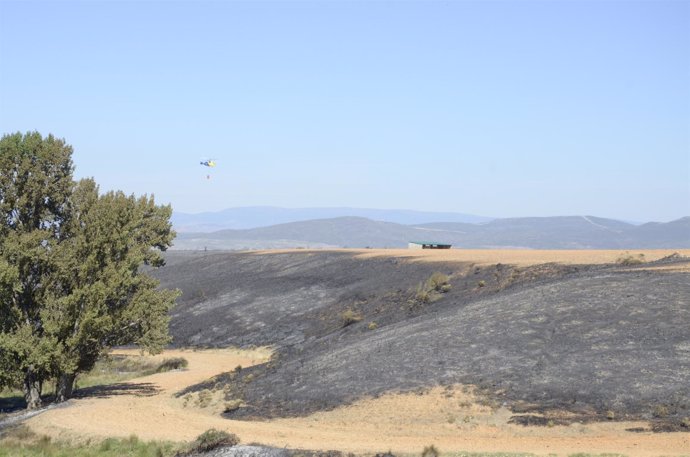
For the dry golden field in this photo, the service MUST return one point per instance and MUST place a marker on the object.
(521, 257)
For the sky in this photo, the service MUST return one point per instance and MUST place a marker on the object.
(501, 109)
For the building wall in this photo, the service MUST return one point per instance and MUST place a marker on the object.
(414, 246)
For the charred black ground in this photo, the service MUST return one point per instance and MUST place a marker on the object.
(586, 340)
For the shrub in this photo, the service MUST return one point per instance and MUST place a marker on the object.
(660, 411)
(430, 451)
(232, 405)
(610, 415)
(436, 281)
(213, 439)
(176, 363)
(685, 422)
(350, 317)
(430, 290)
(422, 294)
(629, 259)
(481, 283)
(204, 398)
(372, 326)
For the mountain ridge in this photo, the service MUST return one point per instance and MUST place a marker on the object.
(249, 217)
(559, 232)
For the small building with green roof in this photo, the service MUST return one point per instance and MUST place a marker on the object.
(428, 245)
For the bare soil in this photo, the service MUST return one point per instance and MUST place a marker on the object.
(147, 406)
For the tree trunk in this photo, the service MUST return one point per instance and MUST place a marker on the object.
(32, 390)
(64, 387)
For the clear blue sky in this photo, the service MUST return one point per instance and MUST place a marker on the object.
(492, 108)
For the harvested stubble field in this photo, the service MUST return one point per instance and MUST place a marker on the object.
(521, 257)
(592, 355)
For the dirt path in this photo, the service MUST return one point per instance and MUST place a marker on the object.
(147, 406)
(448, 418)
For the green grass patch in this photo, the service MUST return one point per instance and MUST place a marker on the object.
(120, 368)
(176, 363)
(21, 442)
(114, 369)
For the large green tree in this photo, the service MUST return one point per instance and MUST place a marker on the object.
(35, 186)
(71, 278)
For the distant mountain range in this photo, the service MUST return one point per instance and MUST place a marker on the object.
(264, 216)
(568, 232)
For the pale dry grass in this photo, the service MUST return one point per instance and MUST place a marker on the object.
(522, 257)
(451, 418)
(680, 267)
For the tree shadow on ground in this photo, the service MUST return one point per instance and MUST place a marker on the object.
(13, 408)
(141, 389)
(12, 404)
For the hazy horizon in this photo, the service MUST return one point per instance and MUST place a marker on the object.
(635, 222)
(498, 109)
(421, 211)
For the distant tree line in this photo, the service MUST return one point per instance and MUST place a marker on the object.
(71, 283)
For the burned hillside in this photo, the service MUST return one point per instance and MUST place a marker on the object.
(582, 340)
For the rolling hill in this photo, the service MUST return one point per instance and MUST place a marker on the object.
(573, 341)
(569, 232)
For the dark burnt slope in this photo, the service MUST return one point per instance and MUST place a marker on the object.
(581, 339)
(586, 344)
(279, 299)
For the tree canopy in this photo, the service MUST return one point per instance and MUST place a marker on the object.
(71, 278)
